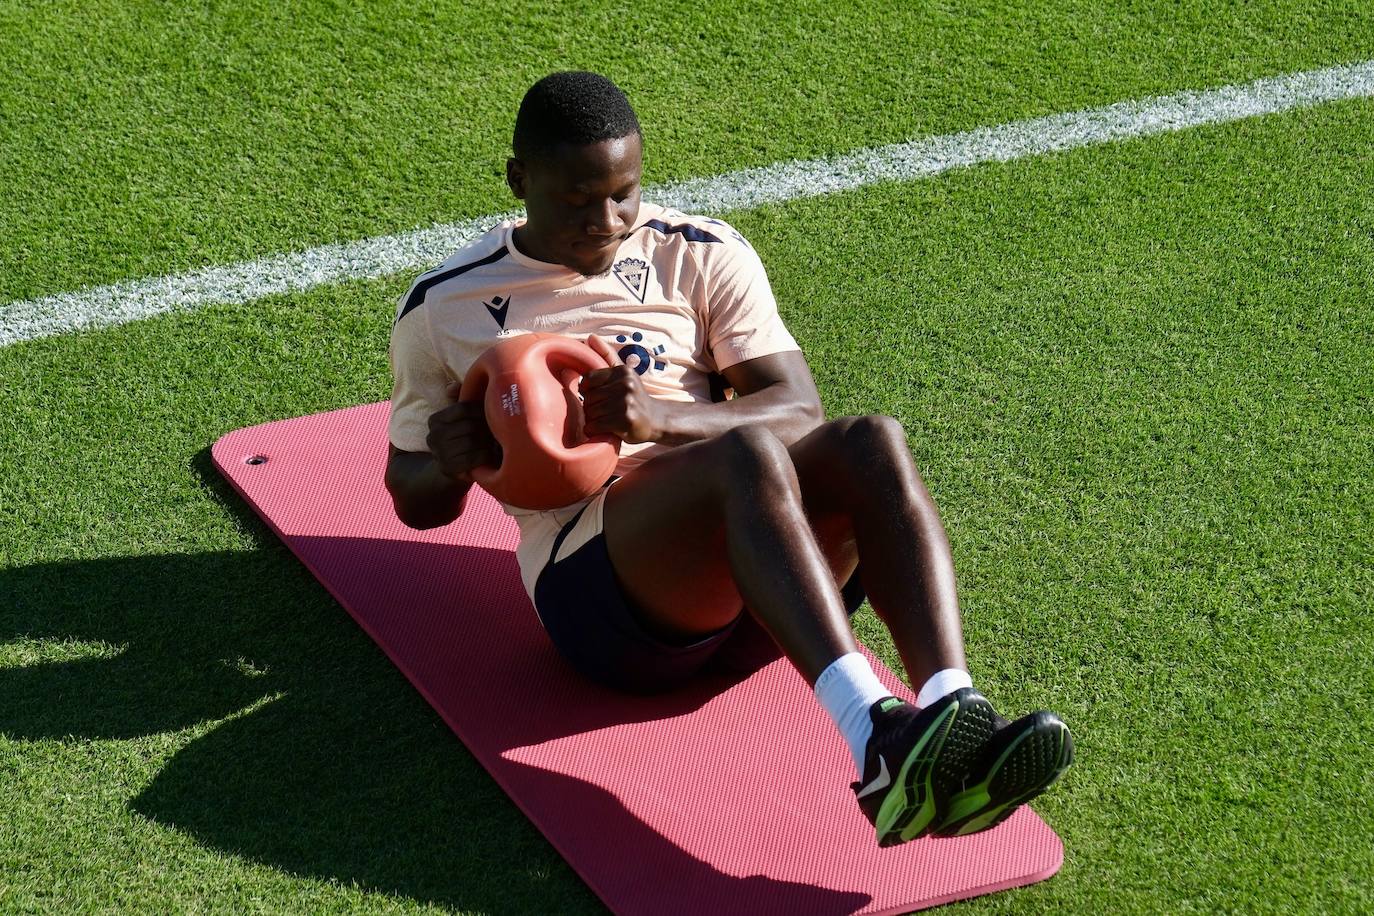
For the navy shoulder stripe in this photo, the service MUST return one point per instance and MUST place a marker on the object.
(690, 233)
(417, 295)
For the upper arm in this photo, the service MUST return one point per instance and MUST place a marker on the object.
(740, 312)
(746, 338)
(419, 382)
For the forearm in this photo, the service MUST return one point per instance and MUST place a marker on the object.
(424, 497)
(788, 412)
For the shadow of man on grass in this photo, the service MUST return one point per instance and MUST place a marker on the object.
(341, 771)
(333, 767)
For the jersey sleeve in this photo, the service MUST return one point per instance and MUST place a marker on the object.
(419, 382)
(742, 320)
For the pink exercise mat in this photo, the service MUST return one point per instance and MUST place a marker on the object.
(727, 797)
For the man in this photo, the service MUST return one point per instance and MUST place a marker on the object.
(720, 505)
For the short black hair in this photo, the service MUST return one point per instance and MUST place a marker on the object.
(574, 107)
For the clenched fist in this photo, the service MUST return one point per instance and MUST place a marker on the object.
(459, 438)
(614, 402)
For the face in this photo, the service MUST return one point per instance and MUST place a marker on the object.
(581, 202)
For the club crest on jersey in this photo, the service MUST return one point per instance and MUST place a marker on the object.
(498, 306)
(634, 273)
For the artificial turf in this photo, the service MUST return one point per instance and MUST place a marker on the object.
(1136, 378)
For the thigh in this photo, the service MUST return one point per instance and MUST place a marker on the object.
(845, 459)
(665, 532)
(665, 535)
(830, 467)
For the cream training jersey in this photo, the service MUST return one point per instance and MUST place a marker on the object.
(687, 296)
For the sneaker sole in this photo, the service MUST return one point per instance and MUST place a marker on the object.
(968, 735)
(1029, 765)
(909, 807)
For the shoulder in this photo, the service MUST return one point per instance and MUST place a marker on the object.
(672, 225)
(714, 249)
(463, 267)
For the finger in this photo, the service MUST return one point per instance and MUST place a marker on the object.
(455, 449)
(592, 428)
(464, 458)
(595, 378)
(608, 393)
(461, 412)
(460, 437)
(599, 410)
(611, 419)
(604, 350)
(452, 390)
(487, 458)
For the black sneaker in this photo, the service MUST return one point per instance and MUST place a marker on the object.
(916, 757)
(1021, 760)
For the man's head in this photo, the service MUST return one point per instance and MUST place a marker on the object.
(577, 165)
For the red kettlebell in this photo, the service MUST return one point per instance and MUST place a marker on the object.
(528, 385)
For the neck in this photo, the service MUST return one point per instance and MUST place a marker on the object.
(527, 245)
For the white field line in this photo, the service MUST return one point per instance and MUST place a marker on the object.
(117, 303)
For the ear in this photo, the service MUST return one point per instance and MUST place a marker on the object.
(515, 177)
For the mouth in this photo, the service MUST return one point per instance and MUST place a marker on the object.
(598, 246)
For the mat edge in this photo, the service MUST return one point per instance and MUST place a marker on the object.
(983, 890)
(222, 445)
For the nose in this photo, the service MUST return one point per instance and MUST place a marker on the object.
(603, 219)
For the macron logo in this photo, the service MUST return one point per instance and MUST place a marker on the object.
(498, 308)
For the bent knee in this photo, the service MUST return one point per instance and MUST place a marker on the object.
(755, 456)
(860, 451)
(868, 436)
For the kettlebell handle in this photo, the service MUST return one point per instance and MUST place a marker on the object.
(563, 355)
(524, 387)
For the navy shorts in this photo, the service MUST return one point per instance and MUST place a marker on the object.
(596, 629)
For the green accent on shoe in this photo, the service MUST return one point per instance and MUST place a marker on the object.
(910, 807)
(890, 702)
(973, 809)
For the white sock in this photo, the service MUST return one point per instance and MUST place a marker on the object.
(847, 688)
(941, 683)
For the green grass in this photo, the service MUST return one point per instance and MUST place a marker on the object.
(1148, 420)
(153, 137)
(1136, 378)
